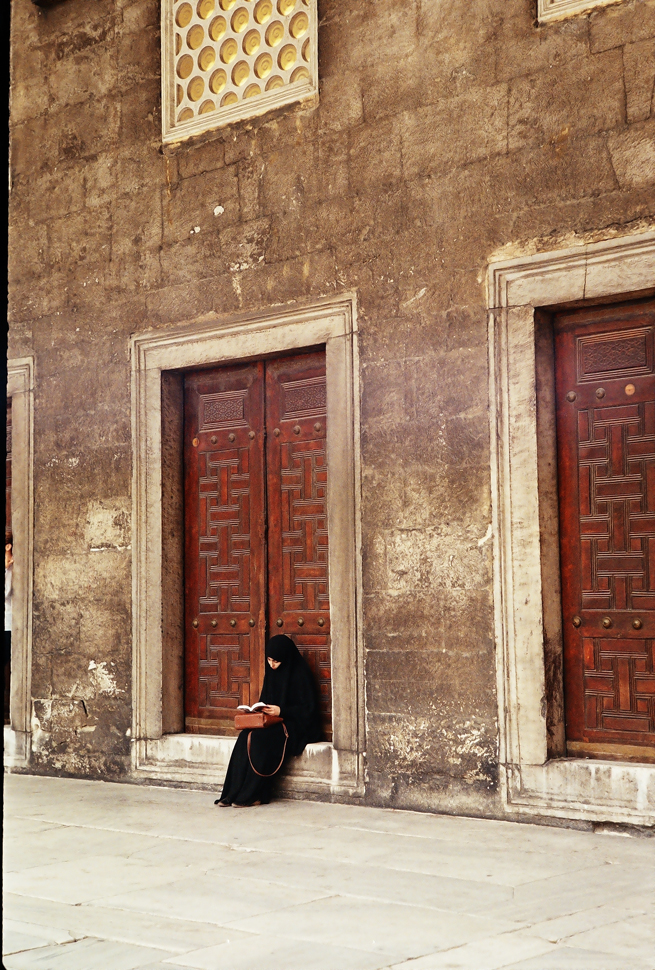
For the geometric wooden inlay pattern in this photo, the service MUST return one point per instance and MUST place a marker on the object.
(605, 379)
(256, 531)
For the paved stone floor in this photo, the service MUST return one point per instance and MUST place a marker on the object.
(117, 877)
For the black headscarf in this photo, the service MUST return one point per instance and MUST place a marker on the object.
(292, 688)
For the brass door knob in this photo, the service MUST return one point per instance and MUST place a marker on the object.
(301, 622)
(321, 621)
(576, 621)
(607, 622)
(214, 623)
(637, 624)
(194, 624)
(233, 622)
(279, 622)
(251, 622)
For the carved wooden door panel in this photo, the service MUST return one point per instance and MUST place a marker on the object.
(605, 379)
(297, 473)
(256, 538)
(225, 561)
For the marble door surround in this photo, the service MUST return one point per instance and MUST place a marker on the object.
(163, 752)
(534, 783)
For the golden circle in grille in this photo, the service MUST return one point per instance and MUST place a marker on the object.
(241, 73)
(205, 9)
(178, 43)
(179, 94)
(206, 58)
(306, 50)
(275, 82)
(229, 98)
(184, 15)
(217, 28)
(227, 4)
(229, 50)
(195, 89)
(263, 11)
(184, 66)
(275, 34)
(206, 107)
(300, 74)
(263, 65)
(285, 6)
(186, 114)
(195, 37)
(218, 81)
(252, 91)
(299, 25)
(287, 57)
(240, 19)
(251, 42)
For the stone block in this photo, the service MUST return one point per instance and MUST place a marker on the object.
(384, 395)
(522, 49)
(461, 496)
(56, 629)
(400, 619)
(198, 159)
(438, 557)
(639, 76)
(86, 134)
(244, 246)
(633, 156)
(197, 259)
(340, 101)
(108, 524)
(138, 55)
(138, 16)
(375, 158)
(189, 206)
(81, 240)
(382, 495)
(583, 97)
(250, 185)
(177, 304)
(79, 78)
(474, 126)
(626, 23)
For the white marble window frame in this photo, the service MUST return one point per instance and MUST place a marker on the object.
(174, 132)
(550, 10)
(331, 769)
(18, 733)
(531, 784)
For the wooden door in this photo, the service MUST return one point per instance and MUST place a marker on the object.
(296, 459)
(255, 531)
(605, 380)
(225, 561)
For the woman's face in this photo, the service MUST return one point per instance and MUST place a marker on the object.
(273, 663)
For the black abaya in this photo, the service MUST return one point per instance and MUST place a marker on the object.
(291, 687)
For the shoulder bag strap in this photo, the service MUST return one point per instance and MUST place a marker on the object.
(284, 751)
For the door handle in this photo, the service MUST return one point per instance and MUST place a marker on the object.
(607, 622)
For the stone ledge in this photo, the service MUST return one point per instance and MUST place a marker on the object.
(591, 790)
(200, 759)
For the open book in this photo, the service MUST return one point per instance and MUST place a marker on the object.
(255, 707)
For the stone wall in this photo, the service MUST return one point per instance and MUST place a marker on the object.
(447, 131)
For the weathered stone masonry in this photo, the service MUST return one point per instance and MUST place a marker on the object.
(446, 133)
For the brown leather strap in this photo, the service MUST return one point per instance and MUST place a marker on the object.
(284, 751)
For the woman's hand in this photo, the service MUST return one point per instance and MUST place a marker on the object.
(271, 709)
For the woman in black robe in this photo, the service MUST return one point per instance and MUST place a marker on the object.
(289, 692)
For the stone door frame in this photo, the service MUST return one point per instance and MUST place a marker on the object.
(20, 388)
(334, 768)
(533, 784)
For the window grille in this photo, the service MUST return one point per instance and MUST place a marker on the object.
(561, 9)
(224, 60)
